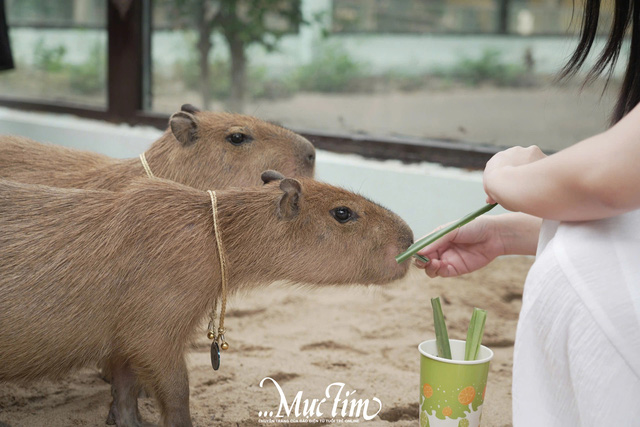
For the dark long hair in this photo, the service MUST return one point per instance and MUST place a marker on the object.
(626, 19)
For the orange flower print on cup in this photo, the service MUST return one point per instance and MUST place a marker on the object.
(467, 395)
(447, 411)
(427, 390)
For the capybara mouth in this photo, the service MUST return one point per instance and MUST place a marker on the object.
(397, 270)
(403, 268)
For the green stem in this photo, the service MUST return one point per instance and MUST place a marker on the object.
(474, 334)
(442, 337)
(427, 240)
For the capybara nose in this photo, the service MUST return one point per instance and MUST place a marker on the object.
(308, 152)
(406, 239)
(310, 155)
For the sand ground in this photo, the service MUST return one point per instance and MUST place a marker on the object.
(306, 339)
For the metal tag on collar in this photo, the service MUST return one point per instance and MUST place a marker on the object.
(215, 355)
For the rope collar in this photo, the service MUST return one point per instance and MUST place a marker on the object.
(145, 165)
(211, 333)
(218, 338)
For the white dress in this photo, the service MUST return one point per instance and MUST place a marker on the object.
(577, 349)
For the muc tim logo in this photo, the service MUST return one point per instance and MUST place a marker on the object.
(337, 406)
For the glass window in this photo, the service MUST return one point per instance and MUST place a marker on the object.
(459, 70)
(59, 49)
(413, 16)
(524, 17)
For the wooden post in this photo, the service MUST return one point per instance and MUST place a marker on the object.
(125, 60)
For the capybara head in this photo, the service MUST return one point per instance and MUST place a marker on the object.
(203, 147)
(314, 233)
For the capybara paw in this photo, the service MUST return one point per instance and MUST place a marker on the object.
(111, 418)
(114, 420)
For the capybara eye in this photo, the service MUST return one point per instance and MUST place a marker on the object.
(343, 214)
(237, 138)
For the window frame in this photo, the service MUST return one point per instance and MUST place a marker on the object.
(129, 40)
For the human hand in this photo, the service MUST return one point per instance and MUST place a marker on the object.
(511, 157)
(463, 250)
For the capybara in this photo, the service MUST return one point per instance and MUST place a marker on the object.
(201, 149)
(126, 277)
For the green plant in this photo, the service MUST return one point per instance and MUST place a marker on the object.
(218, 82)
(220, 79)
(333, 70)
(263, 86)
(48, 59)
(89, 77)
(260, 85)
(488, 68)
(405, 82)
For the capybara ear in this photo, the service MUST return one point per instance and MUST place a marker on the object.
(189, 108)
(271, 175)
(184, 127)
(290, 200)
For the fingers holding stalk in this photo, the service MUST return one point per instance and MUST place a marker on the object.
(435, 250)
(438, 268)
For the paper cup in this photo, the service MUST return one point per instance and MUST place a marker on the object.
(452, 391)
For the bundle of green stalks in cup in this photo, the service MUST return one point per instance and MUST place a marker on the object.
(453, 374)
(474, 333)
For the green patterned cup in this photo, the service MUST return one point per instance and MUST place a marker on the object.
(452, 391)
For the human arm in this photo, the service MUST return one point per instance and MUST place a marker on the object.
(476, 244)
(593, 179)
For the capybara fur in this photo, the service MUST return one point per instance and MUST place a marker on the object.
(201, 149)
(94, 276)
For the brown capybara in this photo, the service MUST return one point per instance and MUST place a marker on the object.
(126, 277)
(201, 149)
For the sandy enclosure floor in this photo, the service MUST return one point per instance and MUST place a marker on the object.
(306, 339)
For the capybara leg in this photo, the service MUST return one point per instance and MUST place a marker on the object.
(105, 374)
(124, 390)
(171, 387)
(144, 393)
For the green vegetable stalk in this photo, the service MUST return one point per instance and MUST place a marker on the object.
(427, 240)
(474, 334)
(442, 337)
